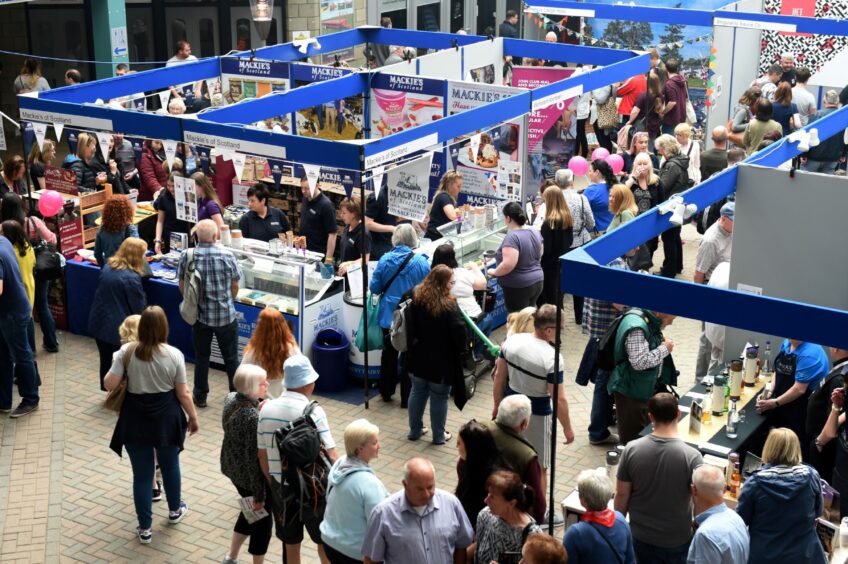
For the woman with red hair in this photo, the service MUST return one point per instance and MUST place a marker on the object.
(269, 347)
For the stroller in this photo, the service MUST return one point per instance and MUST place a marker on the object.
(473, 367)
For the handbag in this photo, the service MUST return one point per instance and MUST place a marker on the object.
(115, 399)
(608, 113)
(372, 308)
(691, 116)
(48, 263)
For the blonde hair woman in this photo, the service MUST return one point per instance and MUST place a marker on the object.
(119, 294)
(355, 491)
(38, 159)
(622, 205)
(690, 148)
(89, 177)
(644, 183)
(557, 236)
(520, 321)
(443, 207)
(790, 489)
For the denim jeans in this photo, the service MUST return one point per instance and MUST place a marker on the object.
(650, 554)
(227, 336)
(438, 394)
(144, 467)
(17, 360)
(601, 416)
(824, 167)
(45, 318)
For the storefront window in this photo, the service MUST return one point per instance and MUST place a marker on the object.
(59, 32)
(428, 17)
(456, 15)
(140, 36)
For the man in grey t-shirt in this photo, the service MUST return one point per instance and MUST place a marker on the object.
(654, 476)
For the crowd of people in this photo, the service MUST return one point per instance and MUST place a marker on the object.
(498, 508)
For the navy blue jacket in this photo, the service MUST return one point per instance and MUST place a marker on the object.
(119, 294)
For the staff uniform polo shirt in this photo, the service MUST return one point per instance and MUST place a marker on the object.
(811, 363)
(317, 222)
(264, 228)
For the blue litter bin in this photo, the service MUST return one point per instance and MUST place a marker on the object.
(330, 359)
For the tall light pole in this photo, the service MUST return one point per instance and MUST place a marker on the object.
(262, 13)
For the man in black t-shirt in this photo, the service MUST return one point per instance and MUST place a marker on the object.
(317, 221)
(822, 456)
(263, 222)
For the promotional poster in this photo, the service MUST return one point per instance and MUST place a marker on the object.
(402, 102)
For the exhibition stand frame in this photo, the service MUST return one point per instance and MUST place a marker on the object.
(584, 271)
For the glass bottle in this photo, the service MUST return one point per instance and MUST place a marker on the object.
(732, 421)
(719, 384)
(736, 479)
(726, 391)
(707, 404)
(751, 357)
(736, 379)
(767, 368)
(732, 459)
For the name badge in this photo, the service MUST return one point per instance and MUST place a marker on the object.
(313, 212)
(275, 223)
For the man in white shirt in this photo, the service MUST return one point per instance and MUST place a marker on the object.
(299, 381)
(183, 54)
(802, 97)
(768, 83)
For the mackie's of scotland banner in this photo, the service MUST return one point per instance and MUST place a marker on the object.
(400, 102)
(336, 120)
(246, 78)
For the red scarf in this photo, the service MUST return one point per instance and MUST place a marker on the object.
(605, 517)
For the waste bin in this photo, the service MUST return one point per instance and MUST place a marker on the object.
(330, 359)
(350, 324)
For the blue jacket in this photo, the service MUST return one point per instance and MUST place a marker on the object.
(583, 542)
(119, 294)
(780, 505)
(412, 274)
(354, 491)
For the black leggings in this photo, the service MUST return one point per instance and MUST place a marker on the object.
(673, 250)
(604, 139)
(581, 144)
(516, 299)
(260, 531)
(389, 372)
(106, 351)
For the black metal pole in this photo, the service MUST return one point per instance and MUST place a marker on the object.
(364, 286)
(555, 399)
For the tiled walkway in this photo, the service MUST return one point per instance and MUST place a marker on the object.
(65, 497)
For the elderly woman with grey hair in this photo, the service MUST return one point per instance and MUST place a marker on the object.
(601, 535)
(397, 272)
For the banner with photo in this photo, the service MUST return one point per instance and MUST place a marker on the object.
(252, 78)
(550, 131)
(488, 160)
(409, 187)
(401, 102)
(347, 179)
(337, 120)
(337, 15)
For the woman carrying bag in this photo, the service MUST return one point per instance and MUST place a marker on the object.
(152, 416)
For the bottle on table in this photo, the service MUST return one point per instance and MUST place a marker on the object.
(767, 367)
(707, 404)
(732, 460)
(732, 421)
(736, 479)
(719, 385)
(736, 379)
(726, 391)
(752, 355)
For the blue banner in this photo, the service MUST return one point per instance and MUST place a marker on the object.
(276, 167)
(203, 156)
(256, 68)
(316, 73)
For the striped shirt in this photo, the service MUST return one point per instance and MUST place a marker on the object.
(277, 413)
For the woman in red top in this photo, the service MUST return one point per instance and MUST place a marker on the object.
(628, 91)
(151, 170)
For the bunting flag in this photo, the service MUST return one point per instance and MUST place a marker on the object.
(313, 172)
(377, 179)
(238, 164)
(40, 129)
(170, 152)
(475, 144)
(103, 140)
(58, 128)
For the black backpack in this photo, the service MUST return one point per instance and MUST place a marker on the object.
(606, 344)
(305, 466)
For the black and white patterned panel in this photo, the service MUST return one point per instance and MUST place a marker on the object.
(810, 51)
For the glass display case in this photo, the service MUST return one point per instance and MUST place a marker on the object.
(470, 244)
(279, 282)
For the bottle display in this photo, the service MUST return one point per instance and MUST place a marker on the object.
(719, 384)
(707, 404)
(736, 379)
(767, 366)
(752, 355)
(732, 421)
(732, 460)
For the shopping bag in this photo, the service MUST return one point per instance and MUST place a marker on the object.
(375, 332)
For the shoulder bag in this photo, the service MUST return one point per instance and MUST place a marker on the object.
(48, 263)
(115, 399)
(608, 112)
(597, 529)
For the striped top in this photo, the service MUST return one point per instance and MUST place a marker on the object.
(276, 413)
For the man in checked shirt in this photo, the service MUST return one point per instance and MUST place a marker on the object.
(643, 359)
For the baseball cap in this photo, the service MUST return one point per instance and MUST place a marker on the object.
(298, 372)
(728, 210)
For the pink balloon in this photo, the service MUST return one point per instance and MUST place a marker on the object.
(616, 163)
(600, 153)
(50, 203)
(578, 165)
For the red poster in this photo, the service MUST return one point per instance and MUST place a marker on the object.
(60, 179)
(70, 234)
(541, 121)
(801, 8)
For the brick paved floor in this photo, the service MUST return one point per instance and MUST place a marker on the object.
(65, 497)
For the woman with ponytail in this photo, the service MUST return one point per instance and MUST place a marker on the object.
(504, 524)
(602, 179)
(519, 261)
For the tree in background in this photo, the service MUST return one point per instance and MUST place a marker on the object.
(669, 40)
(633, 35)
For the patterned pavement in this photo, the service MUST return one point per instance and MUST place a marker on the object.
(65, 497)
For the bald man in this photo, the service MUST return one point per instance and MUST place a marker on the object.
(715, 160)
(721, 536)
(216, 314)
(419, 524)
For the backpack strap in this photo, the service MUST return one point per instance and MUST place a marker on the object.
(307, 411)
(523, 370)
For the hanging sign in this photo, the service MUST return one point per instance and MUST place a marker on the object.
(276, 167)
(58, 127)
(186, 199)
(224, 144)
(409, 188)
(61, 180)
(103, 140)
(243, 78)
(170, 152)
(313, 172)
(400, 102)
(83, 122)
(40, 129)
(238, 164)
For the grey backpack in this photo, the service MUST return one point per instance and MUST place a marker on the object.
(401, 332)
(192, 290)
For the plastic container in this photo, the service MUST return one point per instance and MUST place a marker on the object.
(330, 360)
(356, 365)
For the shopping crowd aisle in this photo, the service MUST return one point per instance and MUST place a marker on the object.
(69, 497)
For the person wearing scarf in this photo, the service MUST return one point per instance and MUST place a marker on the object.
(602, 535)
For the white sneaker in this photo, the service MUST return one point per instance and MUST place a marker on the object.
(145, 536)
